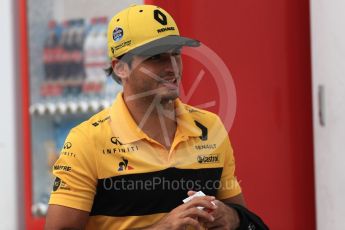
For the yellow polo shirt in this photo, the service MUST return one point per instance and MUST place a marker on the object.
(112, 169)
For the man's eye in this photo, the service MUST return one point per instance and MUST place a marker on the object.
(176, 53)
(155, 57)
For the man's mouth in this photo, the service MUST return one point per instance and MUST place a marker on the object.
(170, 80)
(170, 83)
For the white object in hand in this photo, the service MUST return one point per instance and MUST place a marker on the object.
(197, 194)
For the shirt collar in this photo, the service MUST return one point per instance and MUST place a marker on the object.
(185, 122)
(125, 128)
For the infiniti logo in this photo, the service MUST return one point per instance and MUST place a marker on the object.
(115, 141)
(67, 145)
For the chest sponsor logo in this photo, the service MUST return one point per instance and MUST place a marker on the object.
(115, 141)
(128, 149)
(120, 147)
(124, 165)
(100, 121)
(205, 146)
(206, 159)
(192, 110)
(204, 131)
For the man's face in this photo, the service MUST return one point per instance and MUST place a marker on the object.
(158, 75)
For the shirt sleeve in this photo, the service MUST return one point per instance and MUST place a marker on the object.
(229, 185)
(76, 173)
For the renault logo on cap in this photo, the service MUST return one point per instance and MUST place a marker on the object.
(160, 17)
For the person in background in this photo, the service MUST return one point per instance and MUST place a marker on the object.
(134, 162)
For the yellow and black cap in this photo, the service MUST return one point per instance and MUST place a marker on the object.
(144, 30)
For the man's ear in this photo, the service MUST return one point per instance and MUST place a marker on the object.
(120, 68)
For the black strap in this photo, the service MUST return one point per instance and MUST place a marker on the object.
(248, 220)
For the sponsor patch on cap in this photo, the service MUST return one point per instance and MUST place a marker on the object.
(117, 34)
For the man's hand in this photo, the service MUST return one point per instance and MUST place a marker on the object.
(187, 214)
(224, 216)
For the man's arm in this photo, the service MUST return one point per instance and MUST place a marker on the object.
(239, 199)
(65, 218)
(225, 215)
(73, 192)
(234, 214)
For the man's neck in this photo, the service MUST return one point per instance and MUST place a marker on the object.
(154, 116)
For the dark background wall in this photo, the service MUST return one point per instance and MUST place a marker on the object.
(266, 46)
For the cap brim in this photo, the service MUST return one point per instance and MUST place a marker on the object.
(164, 44)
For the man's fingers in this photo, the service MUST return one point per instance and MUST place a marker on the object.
(214, 211)
(191, 193)
(200, 214)
(192, 222)
(204, 202)
(217, 202)
(212, 225)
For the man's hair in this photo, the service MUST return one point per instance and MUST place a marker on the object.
(109, 71)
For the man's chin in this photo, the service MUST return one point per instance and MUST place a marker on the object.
(167, 96)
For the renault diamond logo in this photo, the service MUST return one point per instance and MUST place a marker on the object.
(160, 17)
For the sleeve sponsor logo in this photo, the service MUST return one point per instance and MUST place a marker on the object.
(60, 184)
(67, 145)
(205, 159)
(57, 183)
(62, 168)
(69, 154)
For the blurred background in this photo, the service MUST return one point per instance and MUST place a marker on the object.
(286, 59)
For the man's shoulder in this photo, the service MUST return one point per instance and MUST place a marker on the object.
(95, 123)
(200, 114)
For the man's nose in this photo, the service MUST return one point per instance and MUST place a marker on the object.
(170, 63)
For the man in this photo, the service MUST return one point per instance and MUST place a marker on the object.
(131, 165)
